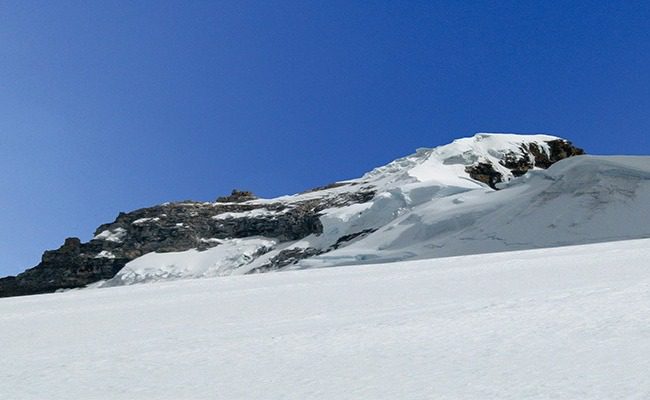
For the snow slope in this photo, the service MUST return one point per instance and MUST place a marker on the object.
(562, 323)
(216, 261)
(579, 200)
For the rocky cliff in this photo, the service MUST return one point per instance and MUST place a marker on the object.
(283, 222)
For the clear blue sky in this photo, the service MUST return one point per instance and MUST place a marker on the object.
(115, 105)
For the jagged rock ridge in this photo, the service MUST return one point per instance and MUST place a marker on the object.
(292, 226)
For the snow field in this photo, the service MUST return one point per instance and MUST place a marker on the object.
(562, 323)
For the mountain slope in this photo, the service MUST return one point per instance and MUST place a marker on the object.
(241, 234)
(560, 323)
(578, 200)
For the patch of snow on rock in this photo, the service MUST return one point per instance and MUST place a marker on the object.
(115, 235)
(145, 220)
(258, 212)
(105, 254)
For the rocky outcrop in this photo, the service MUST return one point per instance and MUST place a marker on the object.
(345, 239)
(174, 227)
(485, 172)
(237, 196)
(286, 257)
(73, 265)
(531, 156)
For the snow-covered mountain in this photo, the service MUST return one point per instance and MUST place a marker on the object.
(486, 193)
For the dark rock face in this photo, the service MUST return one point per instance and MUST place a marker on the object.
(532, 156)
(169, 228)
(73, 265)
(484, 172)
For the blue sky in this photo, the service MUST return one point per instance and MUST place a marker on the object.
(112, 106)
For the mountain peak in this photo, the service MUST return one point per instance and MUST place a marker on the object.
(374, 217)
(489, 158)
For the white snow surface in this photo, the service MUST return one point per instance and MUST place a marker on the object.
(561, 323)
(145, 220)
(115, 235)
(216, 261)
(105, 254)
